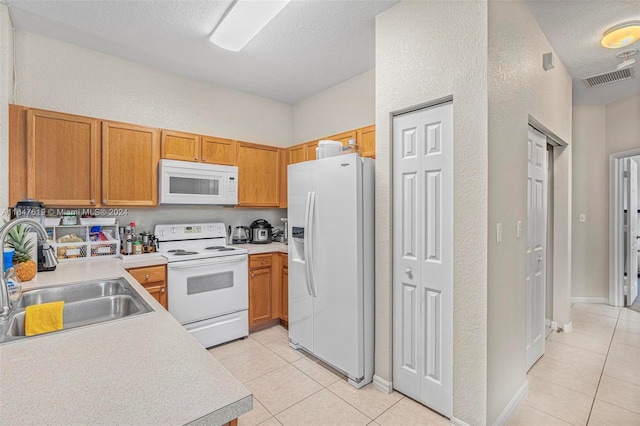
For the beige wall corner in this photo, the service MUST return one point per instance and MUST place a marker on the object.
(519, 89)
(63, 77)
(590, 257)
(623, 125)
(343, 107)
(415, 65)
(6, 97)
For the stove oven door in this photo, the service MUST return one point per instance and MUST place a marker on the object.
(206, 288)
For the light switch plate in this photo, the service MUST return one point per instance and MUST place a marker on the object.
(519, 229)
(583, 218)
(499, 232)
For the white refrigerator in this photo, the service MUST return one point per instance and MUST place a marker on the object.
(331, 262)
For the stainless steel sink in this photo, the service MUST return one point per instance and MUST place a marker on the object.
(75, 292)
(86, 303)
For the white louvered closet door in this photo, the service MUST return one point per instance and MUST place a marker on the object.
(423, 256)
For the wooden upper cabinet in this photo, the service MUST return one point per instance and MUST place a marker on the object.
(62, 166)
(130, 157)
(180, 146)
(310, 147)
(258, 175)
(366, 139)
(218, 151)
(298, 154)
(343, 137)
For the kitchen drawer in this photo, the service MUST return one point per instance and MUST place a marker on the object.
(149, 274)
(259, 260)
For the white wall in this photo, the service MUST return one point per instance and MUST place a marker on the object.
(346, 106)
(59, 76)
(416, 64)
(519, 88)
(599, 132)
(590, 259)
(6, 97)
(623, 125)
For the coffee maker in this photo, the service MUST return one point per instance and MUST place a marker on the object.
(35, 210)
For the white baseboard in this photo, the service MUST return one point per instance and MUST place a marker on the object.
(567, 328)
(604, 300)
(513, 405)
(381, 384)
(458, 422)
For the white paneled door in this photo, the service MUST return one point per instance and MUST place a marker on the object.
(536, 243)
(422, 256)
(632, 230)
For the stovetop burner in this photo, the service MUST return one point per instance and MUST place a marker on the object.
(182, 252)
(220, 248)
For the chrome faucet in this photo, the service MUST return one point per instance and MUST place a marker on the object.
(49, 259)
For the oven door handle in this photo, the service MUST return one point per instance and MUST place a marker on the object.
(206, 262)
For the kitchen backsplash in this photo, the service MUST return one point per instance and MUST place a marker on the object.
(146, 219)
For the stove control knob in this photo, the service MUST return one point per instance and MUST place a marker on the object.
(210, 228)
(173, 229)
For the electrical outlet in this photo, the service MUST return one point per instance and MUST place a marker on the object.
(583, 218)
(499, 232)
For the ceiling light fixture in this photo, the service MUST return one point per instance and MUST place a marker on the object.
(245, 19)
(621, 35)
(626, 61)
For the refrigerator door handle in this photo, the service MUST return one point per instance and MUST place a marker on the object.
(312, 208)
(306, 243)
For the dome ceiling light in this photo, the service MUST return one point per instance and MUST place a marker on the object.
(621, 35)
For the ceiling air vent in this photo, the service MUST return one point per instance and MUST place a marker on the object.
(609, 77)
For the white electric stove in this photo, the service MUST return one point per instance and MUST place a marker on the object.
(207, 281)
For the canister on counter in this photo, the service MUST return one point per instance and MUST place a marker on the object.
(137, 247)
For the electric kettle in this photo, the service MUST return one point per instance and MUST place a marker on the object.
(241, 235)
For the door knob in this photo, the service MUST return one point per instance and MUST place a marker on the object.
(146, 277)
(409, 272)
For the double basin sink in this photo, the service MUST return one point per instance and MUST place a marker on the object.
(86, 303)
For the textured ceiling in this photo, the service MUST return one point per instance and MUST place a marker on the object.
(308, 47)
(574, 29)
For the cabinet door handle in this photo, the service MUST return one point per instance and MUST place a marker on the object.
(204, 158)
(146, 277)
(196, 157)
(162, 291)
(104, 201)
(253, 275)
(92, 201)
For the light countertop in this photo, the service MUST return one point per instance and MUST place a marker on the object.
(140, 370)
(265, 248)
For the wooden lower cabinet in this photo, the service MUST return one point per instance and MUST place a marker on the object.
(268, 290)
(154, 280)
(260, 281)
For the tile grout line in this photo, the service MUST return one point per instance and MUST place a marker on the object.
(548, 414)
(603, 367)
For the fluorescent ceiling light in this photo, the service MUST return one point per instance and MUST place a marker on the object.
(244, 21)
(621, 35)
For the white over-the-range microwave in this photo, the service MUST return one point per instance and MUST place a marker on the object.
(184, 182)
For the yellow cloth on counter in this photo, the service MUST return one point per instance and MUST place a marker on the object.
(43, 318)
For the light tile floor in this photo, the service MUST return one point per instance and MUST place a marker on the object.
(293, 388)
(589, 376)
